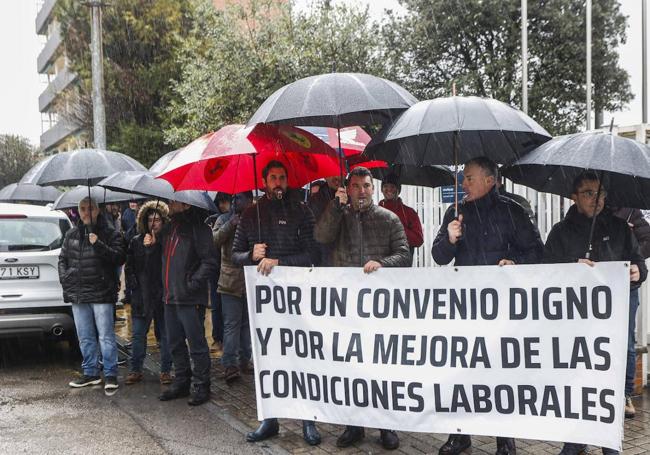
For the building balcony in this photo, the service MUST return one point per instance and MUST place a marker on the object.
(60, 83)
(57, 134)
(50, 50)
(43, 17)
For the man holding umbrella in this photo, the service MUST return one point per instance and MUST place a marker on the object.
(490, 230)
(278, 231)
(363, 235)
(89, 255)
(613, 240)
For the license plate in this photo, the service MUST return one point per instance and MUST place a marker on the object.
(19, 272)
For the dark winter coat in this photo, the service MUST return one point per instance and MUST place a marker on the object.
(409, 218)
(189, 260)
(568, 241)
(640, 227)
(287, 228)
(87, 271)
(143, 274)
(494, 228)
(231, 278)
(375, 234)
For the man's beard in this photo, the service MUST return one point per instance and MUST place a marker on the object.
(277, 193)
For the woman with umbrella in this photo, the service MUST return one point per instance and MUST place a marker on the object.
(143, 276)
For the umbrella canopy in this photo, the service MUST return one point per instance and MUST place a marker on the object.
(335, 100)
(456, 129)
(353, 139)
(163, 161)
(624, 163)
(430, 176)
(145, 183)
(231, 159)
(80, 167)
(70, 199)
(17, 192)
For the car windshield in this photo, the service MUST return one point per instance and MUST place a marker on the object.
(31, 234)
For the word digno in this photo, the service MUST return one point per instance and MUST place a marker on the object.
(551, 303)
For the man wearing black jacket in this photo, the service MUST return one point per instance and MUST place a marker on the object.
(188, 262)
(283, 236)
(612, 240)
(90, 253)
(491, 229)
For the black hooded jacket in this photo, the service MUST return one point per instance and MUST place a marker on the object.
(613, 240)
(494, 228)
(189, 259)
(87, 272)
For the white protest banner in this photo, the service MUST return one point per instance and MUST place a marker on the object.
(527, 351)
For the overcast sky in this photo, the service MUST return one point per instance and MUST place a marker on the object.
(20, 85)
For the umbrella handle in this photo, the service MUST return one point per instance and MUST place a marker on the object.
(593, 218)
(257, 204)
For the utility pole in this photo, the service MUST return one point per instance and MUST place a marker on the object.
(588, 27)
(96, 48)
(524, 56)
(644, 60)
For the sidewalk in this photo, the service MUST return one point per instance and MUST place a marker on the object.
(237, 402)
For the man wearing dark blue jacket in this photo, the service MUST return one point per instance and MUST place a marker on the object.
(491, 229)
(282, 235)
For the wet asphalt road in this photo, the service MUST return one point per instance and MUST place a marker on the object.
(39, 413)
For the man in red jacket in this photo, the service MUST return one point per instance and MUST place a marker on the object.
(390, 188)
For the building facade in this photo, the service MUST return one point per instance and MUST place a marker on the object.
(58, 131)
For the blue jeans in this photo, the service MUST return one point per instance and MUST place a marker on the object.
(236, 332)
(630, 371)
(139, 343)
(87, 316)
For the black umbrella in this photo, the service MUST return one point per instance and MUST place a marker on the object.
(456, 129)
(17, 192)
(80, 167)
(70, 199)
(623, 163)
(430, 176)
(335, 100)
(623, 167)
(145, 183)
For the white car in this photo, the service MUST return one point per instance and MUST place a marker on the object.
(31, 298)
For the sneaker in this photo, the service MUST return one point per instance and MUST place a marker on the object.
(110, 385)
(85, 381)
(630, 411)
(247, 367)
(165, 378)
(134, 377)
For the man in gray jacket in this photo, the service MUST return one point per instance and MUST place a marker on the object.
(364, 235)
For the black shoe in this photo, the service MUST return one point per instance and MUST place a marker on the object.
(389, 439)
(455, 444)
(85, 381)
(175, 391)
(268, 428)
(506, 446)
(350, 436)
(309, 433)
(110, 385)
(199, 394)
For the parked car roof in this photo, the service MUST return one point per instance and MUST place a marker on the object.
(30, 210)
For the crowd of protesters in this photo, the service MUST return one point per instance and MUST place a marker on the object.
(178, 264)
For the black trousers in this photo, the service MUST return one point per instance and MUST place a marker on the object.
(183, 322)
